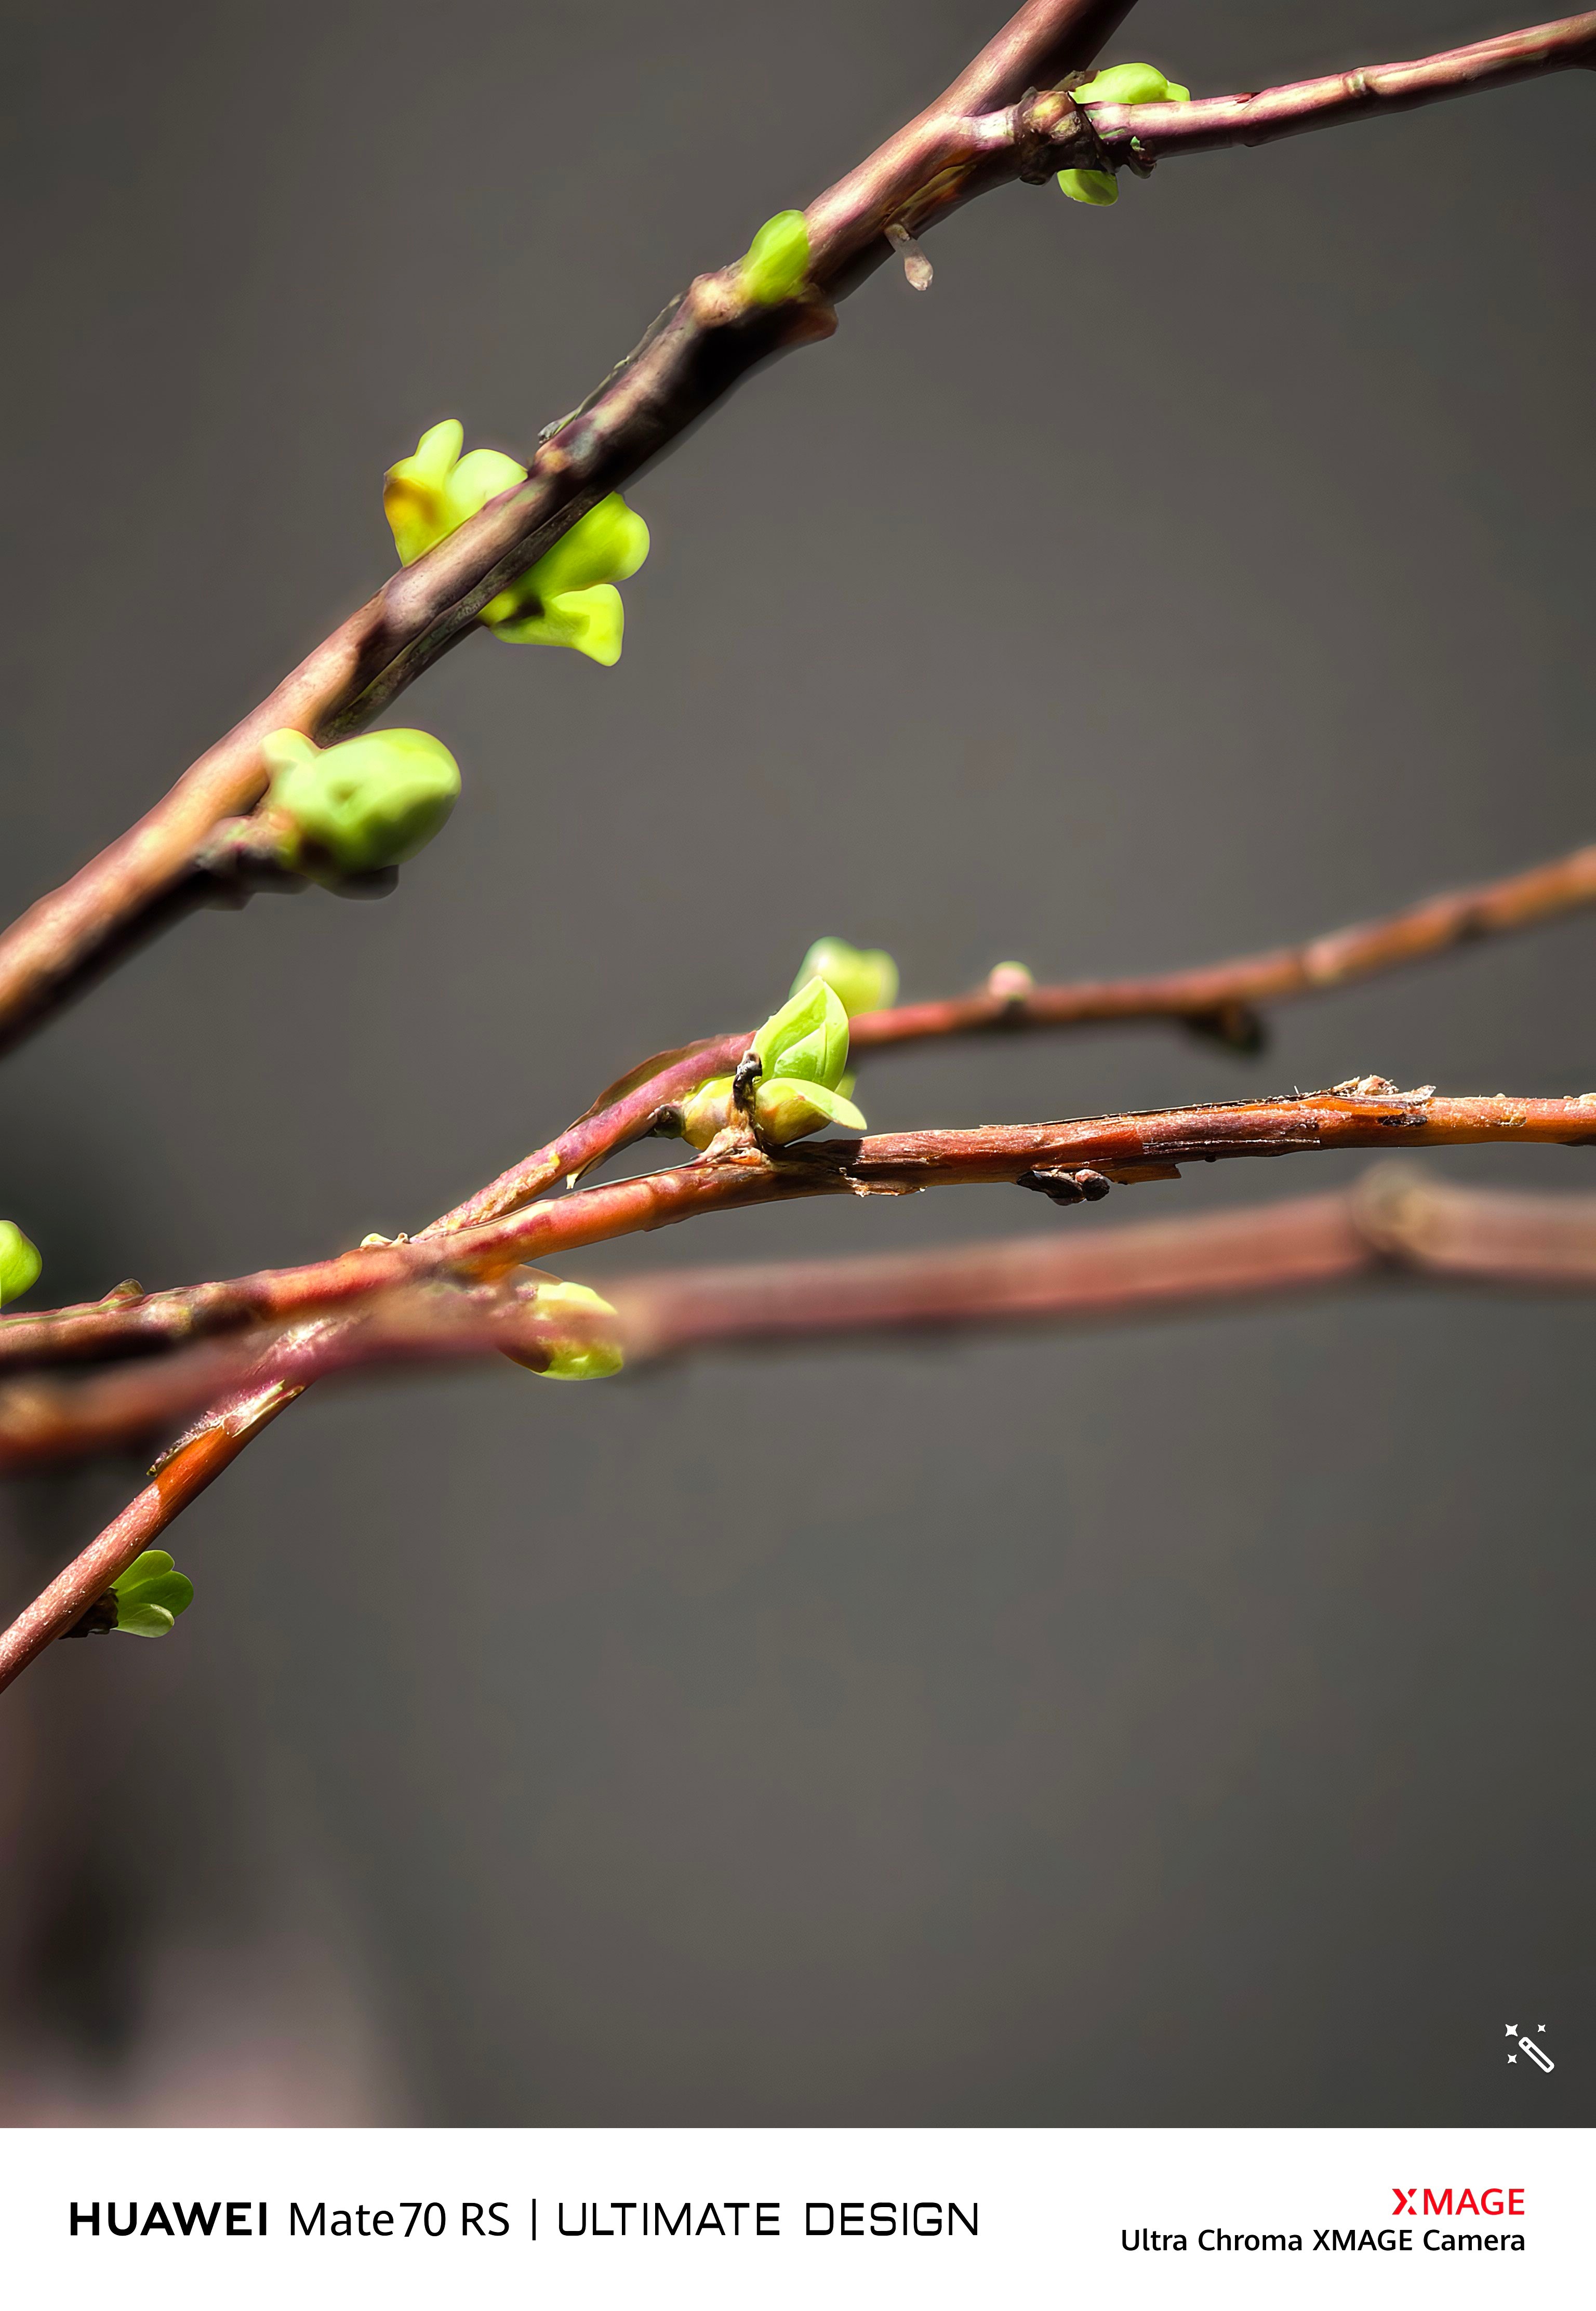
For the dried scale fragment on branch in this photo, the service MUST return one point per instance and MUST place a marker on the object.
(990, 128)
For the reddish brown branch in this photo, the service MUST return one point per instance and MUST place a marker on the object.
(1219, 998)
(706, 344)
(703, 345)
(1123, 1148)
(1163, 130)
(1126, 1148)
(1393, 1222)
(45, 1419)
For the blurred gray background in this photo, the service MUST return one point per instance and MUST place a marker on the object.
(1188, 1723)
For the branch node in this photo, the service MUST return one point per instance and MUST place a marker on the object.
(1081, 1186)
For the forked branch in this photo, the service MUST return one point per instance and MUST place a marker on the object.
(988, 128)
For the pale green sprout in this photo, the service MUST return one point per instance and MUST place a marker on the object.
(778, 260)
(1119, 84)
(20, 1263)
(567, 597)
(802, 1051)
(865, 979)
(150, 1595)
(578, 1359)
(372, 802)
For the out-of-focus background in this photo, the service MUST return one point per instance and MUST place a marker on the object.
(1186, 1723)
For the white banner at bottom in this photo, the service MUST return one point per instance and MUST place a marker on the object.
(771, 2218)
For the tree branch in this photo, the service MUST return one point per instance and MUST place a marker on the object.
(1209, 123)
(736, 1175)
(1394, 1222)
(1216, 999)
(703, 346)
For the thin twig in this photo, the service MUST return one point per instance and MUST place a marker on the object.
(1163, 131)
(1394, 1223)
(1120, 1149)
(986, 130)
(1051, 1156)
(1219, 1000)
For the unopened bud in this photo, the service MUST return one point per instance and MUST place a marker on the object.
(1131, 85)
(864, 978)
(585, 1356)
(371, 802)
(786, 1109)
(778, 260)
(1009, 982)
(707, 1110)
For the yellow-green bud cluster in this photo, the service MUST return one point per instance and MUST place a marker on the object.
(369, 803)
(569, 596)
(1119, 84)
(802, 1051)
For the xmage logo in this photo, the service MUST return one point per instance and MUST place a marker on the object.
(1494, 2199)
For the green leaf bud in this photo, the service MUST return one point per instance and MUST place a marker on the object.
(371, 802)
(583, 1358)
(1098, 187)
(707, 1110)
(778, 260)
(807, 1040)
(1131, 85)
(1010, 982)
(863, 979)
(567, 597)
(20, 1263)
(786, 1109)
(428, 496)
(150, 1595)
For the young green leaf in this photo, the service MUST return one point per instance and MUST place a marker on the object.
(807, 1038)
(427, 496)
(150, 1595)
(567, 597)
